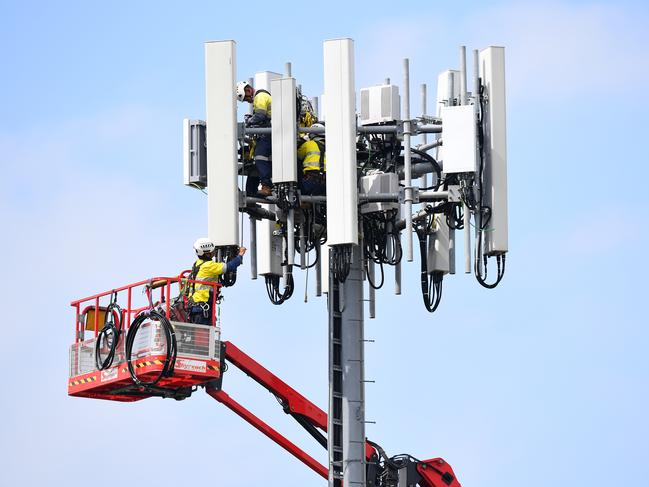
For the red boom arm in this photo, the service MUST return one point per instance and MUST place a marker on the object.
(434, 473)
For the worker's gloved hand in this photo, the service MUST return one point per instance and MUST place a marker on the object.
(246, 119)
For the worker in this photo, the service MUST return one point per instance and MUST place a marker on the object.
(205, 269)
(261, 115)
(313, 160)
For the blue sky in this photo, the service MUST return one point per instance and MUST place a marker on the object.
(543, 380)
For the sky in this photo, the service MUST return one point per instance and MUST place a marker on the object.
(543, 380)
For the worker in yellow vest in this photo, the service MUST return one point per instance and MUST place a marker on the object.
(261, 115)
(313, 160)
(201, 296)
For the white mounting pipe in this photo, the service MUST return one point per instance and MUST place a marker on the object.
(463, 97)
(407, 157)
(397, 279)
(290, 237)
(372, 291)
(251, 82)
(424, 137)
(288, 70)
(476, 111)
(467, 239)
(253, 248)
(302, 246)
(467, 214)
(318, 270)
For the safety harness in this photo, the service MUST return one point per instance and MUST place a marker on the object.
(192, 287)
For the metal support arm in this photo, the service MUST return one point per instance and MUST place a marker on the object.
(289, 446)
(292, 401)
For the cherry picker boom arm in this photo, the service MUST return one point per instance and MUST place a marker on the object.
(381, 471)
(307, 414)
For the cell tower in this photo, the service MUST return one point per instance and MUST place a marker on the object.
(380, 189)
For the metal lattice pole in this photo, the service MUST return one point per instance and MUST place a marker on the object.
(346, 426)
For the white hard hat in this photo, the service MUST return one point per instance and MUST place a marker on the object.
(203, 245)
(241, 90)
(317, 125)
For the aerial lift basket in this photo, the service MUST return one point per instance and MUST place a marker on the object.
(198, 347)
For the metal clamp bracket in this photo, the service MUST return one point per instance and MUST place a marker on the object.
(415, 195)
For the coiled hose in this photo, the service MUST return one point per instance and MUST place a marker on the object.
(170, 339)
(110, 334)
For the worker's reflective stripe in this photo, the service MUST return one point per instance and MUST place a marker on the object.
(262, 158)
(260, 110)
(312, 162)
(205, 287)
(202, 291)
(209, 271)
(310, 153)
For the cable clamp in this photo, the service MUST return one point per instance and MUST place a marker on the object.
(454, 193)
(414, 191)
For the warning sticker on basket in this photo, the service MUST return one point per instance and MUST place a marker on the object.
(109, 374)
(191, 365)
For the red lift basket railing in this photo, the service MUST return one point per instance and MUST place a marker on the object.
(198, 346)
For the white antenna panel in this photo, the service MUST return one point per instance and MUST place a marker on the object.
(263, 79)
(269, 246)
(380, 104)
(284, 130)
(221, 111)
(459, 135)
(340, 132)
(492, 72)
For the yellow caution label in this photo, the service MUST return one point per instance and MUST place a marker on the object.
(148, 363)
(83, 381)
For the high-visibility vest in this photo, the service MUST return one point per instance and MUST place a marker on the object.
(209, 271)
(313, 156)
(262, 104)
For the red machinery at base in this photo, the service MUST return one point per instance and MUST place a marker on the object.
(146, 364)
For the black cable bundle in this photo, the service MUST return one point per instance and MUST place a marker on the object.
(312, 238)
(377, 152)
(229, 279)
(286, 196)
(481, 267)
(381, 242)
(170, 339)
(109, 335)
(436, 167)
(455, 217)
(483, 216)
(431, 284)
(340, 261)
(272, 288)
